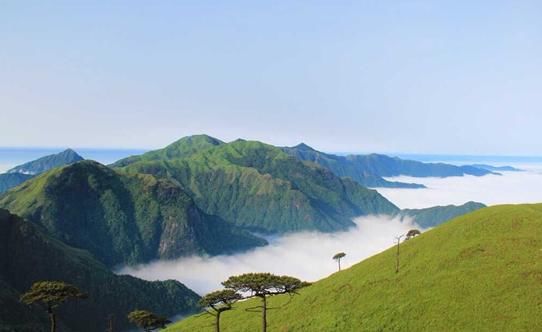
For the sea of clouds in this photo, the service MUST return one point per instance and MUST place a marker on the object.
(307, 255)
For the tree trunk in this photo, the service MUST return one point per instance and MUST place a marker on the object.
(264, 314)
(397, 257)
(339, 261)
(52, 319)
(217, 321)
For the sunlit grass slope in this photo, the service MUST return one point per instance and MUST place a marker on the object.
(479, 272)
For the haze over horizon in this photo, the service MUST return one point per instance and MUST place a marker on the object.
(413, 77)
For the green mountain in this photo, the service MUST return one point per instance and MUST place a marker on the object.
(497, 168)
(10, 180)
(184, 147)
(122, 218)
(260, 187)
(28, 254)
(479, 272)
(21, 173)
(433, 216)
(382, 165)
(344, 167)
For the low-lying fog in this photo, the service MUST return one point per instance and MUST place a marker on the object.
(308, 255)
(304, 255)
(510, 187)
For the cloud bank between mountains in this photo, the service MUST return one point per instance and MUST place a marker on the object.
(307, 255)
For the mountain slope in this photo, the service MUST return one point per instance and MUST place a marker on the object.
(10, 180)
(182, 148)
(382, 165)
(120, 218)
(344, 167)
(260, 187)
(46, 163)
(479, 272)
(21, 173)
(28, 254)
(436, 215)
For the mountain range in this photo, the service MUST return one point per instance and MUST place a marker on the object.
(198, 196)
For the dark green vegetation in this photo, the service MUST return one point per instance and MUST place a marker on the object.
(260, 187)
(345, 167)
(28, 254)
(50, 295)
(122, 218)
(21, 173)
(479, 272)
(433, 216)
(147, 320)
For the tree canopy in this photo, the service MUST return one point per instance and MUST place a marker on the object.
(147, 320)
(261, 284)
(51, 293)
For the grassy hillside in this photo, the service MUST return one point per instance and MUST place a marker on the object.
(27, 255)
(122, 218)
(479, 272)
(260, 187)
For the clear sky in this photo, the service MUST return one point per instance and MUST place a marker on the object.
(361, 76)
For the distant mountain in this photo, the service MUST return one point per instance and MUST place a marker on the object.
(260, 187)
(122, 218)
(385, 166)
(46, 163)
(10, 180)
(21, 173)
(497, 168)
(436, 215)
(345, 167)
(27, 255)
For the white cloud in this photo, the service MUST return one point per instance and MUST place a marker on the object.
(305, 255)
(511, 187)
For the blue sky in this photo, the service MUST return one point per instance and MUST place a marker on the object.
(459, 77)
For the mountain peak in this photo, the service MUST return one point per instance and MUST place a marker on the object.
(48, 162)
(303, 146)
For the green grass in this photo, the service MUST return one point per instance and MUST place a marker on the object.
(479, 272)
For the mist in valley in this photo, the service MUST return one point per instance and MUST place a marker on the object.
(307, 255)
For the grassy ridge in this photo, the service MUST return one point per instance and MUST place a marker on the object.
(120, 218)
(259, 186)
(479, 272)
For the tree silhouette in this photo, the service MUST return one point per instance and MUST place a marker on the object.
(412, 233)
(263, 285)
(338, 257)
(51, 294)
(398, 239)
(219, 301)
(147, 320)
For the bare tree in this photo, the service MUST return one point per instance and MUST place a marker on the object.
(398, 239)
(338, 257)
